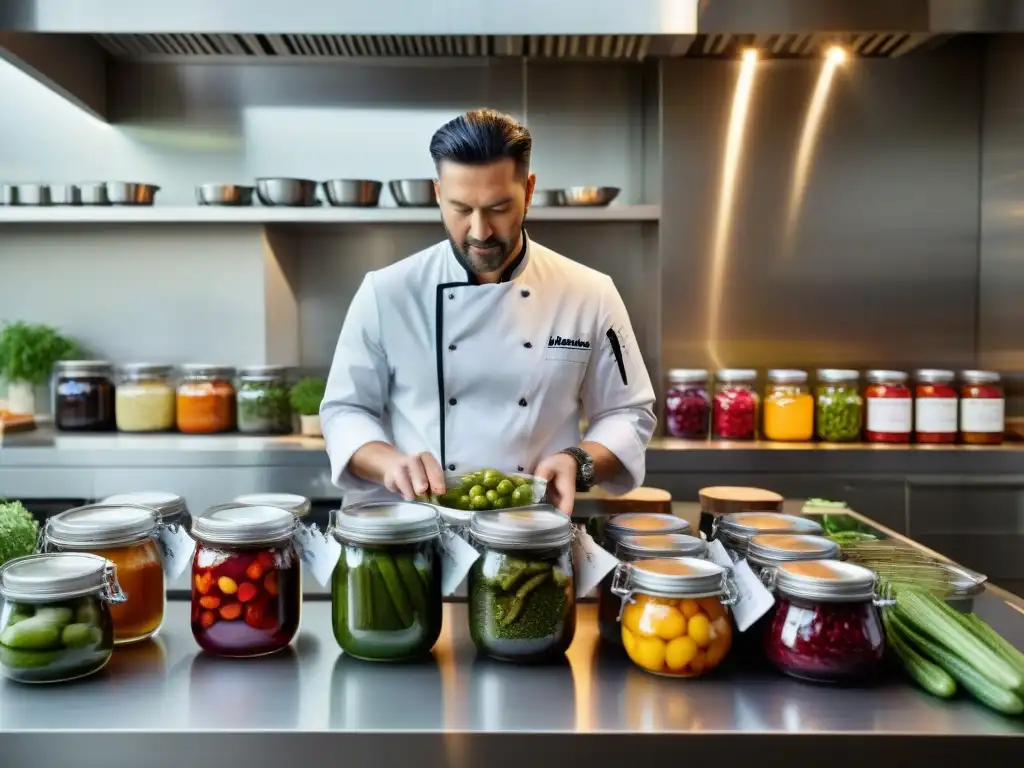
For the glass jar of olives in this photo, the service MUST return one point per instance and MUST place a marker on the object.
(840, 408)
(734, 415)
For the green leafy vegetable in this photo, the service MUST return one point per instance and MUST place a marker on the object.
(18, 531)
(307, 395)
(28, 352)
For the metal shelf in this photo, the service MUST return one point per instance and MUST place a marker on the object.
(320, 215)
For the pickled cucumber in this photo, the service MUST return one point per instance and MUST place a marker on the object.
(32, 634)
(49, 643)
(80, 635)
(12, 657)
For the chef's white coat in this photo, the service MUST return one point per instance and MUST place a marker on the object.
(492, 375)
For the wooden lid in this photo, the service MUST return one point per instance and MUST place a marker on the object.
(650, 500)
(729, 499)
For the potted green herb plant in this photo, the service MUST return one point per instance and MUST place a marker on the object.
(306, 397)
(27, 356)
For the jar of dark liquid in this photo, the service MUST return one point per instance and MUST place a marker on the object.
(84, 399)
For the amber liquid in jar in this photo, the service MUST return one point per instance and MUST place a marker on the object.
(206, 406)
(141, 575)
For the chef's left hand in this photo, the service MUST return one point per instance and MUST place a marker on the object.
(560, 472)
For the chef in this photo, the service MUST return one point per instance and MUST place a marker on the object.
(485, 349)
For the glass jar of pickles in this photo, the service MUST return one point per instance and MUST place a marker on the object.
(84, 396)
(206, 399)
(687, 405)
(889, 407)
(788, 407)
(734, 412)
(264, 407)
(145, 398)
(125, 534)
(386, 588)
(982, 408)
(935, 406)
(246, 580)
(675, 619)
(840, 408)
(637, 526)
(736, 530)
(55, 621)
(522, 597)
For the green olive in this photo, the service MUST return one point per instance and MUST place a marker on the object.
(492, 496)
(477, 490)
(480, 502)
(492, 481)
(505, 487)
(503, 502)
(517, 480)
(464, 503)
(522, 496)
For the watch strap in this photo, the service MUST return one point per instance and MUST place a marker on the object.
(584, 468)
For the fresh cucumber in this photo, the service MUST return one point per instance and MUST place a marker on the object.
(996, 641)
(929, 615)
(989, 694)
(929, 676)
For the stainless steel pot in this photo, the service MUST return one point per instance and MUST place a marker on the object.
(548, 198)
(352, 192)
(286, 192)
(94, 193)
(8, 194)
(590, 195)
(131, 193)
(66, 194)
(32, 194)
(413, 193)
(224, 194)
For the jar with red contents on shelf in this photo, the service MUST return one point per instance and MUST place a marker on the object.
(982, 408)
(889, 406)
(687, 405)
(935, 406)
(734, 413)
(205, 400)
(825, 626)
(246, 580)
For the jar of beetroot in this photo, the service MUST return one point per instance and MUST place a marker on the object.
(246, 580)
(982, 408)
(825, 627)
(687, 405)
(889, 407)
(935, 406)
(734, 413)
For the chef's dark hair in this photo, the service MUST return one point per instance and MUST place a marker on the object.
(480, 137)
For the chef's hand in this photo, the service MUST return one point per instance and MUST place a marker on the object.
(414, 476)
(560, 472)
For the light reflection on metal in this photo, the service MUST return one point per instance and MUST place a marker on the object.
(723, 217)
(808, 142)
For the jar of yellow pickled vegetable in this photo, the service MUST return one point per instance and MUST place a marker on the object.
(788, 407)
(675, 618)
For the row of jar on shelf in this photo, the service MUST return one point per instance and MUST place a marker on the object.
(940, 407)
(100, 583)
(197, 399)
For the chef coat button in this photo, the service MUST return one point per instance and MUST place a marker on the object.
(519, 469)
(528, 345)
(524, 293)
(452, 401)
(451, 347)
(522, 402)
(451, 467)
(451, 295)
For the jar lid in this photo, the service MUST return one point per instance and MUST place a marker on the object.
(169, 506)
(102, 525)
(84, 368)
(880, 376)
(773, 548)
(386, 522)
(744, 525)
(293, 502)
(537, 527)
(833, 375)
(244, 524)
(677, 577)
(933, 376)
(979, 377)
(53, 576)
(687, 376)
(826, 580)
(787, 376)
(146, 369)
(458, 518)
(665, 545)
(263, 372)
(207, 371)
(736, 375)
(644, 524)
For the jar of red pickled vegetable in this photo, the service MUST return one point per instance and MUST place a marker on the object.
(935, 406)
(825, 626)
(734, 413)
(889, 407)
(687, 406)
(675, 620)
(246, 580)
(982, 408)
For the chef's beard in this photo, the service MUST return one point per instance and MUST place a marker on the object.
(488, 261)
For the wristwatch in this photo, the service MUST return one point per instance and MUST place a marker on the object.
(584, 469)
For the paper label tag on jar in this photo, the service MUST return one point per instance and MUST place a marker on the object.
(754, 598)
(935, 415)
(319, 553)
(592, 562)
(889, 414)
(177, 548)
(979, 414)
(458, 557)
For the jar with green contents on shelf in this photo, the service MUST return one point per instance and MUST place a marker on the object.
(263, 401)
(522, 599)
(840, 407)
(386, 588)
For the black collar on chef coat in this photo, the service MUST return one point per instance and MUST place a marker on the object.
(439, 348)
